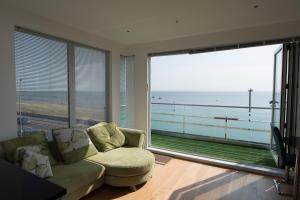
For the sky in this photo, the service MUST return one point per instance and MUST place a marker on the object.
(230, 70)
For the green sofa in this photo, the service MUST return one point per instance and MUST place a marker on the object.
(126, 166)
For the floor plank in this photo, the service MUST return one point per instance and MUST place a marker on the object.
(185, 180)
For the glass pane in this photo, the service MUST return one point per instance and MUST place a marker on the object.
(277, 91)
(276, 103)
(127, 91)
(90, 86)
(41, 83)
(123, 99)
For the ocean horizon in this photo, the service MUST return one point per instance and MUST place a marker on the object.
(251, 126)
(259, 98)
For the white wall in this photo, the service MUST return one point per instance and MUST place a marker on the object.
(8, 19)
(8, 124)
(141, 52)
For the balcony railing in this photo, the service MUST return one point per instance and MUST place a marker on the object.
(229, 123)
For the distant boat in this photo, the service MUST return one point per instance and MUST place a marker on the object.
(153, 97)
(159, 97)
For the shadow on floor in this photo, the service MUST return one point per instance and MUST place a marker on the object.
(204, 186)
(107, 192)
(161, 159)
(261, 188)
(256, 191)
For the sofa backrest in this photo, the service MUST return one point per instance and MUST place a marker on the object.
(8, 147)
(2, 152)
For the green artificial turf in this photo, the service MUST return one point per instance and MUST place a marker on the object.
(240, 154)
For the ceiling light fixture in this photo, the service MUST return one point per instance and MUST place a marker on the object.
(128, 31)
(177, 21)
(255, 6)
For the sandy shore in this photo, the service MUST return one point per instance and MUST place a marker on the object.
(58, 110)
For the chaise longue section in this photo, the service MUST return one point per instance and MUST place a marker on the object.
(130, 165)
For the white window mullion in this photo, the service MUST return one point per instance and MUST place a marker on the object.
(71, 81)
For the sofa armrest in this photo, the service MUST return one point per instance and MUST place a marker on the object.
(134, 137)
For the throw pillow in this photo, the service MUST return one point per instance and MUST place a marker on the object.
(73, 144)
(106, 136)
(33, 162)
(37, 138)
(33, 148)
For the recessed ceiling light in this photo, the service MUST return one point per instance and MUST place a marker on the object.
(255, 6)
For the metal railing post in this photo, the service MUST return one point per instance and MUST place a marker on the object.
(183, 120)
(226, 127)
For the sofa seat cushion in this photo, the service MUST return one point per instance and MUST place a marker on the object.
(125, 162)
(75, 176)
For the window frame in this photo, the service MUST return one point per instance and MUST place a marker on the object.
(71, 71)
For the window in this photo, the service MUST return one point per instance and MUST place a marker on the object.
(41, 83)
(123, 102)
(58, 83)
(90, 87)
(127, 91)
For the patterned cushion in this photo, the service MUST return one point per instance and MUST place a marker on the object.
(37, 138)
(33, 148)
(106, 136)
(73, 144)
(34, 162)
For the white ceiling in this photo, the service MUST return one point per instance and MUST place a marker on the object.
(155, 20)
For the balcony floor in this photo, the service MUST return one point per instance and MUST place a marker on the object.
(240, 154)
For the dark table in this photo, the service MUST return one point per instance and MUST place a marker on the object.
(18, 184)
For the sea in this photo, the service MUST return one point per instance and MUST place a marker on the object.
(202, 113)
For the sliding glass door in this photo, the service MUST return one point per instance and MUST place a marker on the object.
(216, 103)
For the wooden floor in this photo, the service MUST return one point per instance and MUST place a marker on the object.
(184, 180)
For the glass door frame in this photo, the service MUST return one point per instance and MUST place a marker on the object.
(283, 49)
(283, 87)
(214, 161)
(289, 94)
